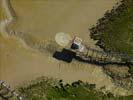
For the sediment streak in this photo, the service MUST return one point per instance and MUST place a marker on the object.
(24, 38)
(10, 17)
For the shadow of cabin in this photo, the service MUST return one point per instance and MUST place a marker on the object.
(65, 55)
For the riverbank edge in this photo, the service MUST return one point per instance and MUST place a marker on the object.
(99, 27)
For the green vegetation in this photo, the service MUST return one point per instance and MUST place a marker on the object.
(51, 90)
(48, 89)
(131, 69)
(115, 30)
(114, 33)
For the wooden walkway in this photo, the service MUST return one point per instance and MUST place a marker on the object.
(104, 57)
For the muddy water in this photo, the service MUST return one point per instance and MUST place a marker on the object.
(43, 19)
(18, 64)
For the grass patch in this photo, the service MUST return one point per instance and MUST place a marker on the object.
(131, 69)
(47, 89)
(115, 30)
(51, 90)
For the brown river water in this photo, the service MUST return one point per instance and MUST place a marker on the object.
(42, 19)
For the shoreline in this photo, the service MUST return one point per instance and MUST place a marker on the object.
(99, 27)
